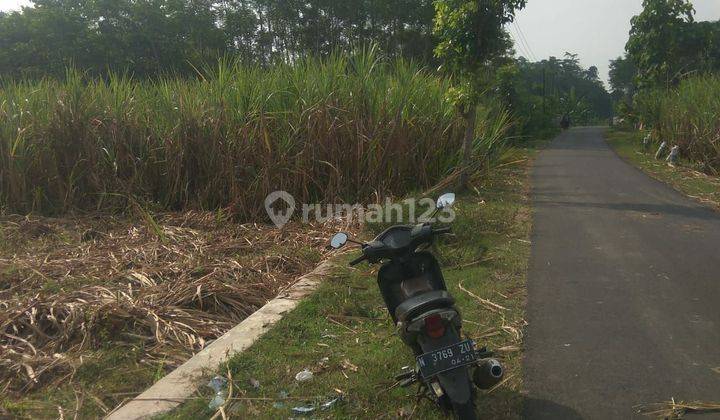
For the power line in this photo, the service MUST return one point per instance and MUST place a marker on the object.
(525, 40)
(520, 44)
(522, 35)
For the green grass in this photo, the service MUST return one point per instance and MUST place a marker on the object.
(106, 377)
(684, 177)
(345, 321)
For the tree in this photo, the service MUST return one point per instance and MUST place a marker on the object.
(622, 77)
(144, 37)
(289, 29)
(592, 74)
(656, 41)
(700, 43)
(471, 40)
(548, 89)
(665, 46)
(147, 37)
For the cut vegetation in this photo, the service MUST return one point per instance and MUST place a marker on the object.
(343, 333)
(160, 175)
(94, 310)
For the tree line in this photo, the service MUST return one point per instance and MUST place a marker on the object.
(147, 37)
(557, 86)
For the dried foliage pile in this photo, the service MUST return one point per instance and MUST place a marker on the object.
(677, 410)
(171, 283)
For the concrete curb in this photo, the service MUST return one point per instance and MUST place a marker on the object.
(180, 384)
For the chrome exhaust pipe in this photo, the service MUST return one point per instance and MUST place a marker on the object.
(488, 374)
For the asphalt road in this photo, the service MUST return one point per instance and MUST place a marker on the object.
(623, 288)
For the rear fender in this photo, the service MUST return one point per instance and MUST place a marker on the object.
(456, 383)
(410, 332)
(450, 316)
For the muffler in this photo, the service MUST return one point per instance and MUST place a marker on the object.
(488, 373)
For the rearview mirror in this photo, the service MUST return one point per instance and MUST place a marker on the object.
(445, 200)
(339, 240)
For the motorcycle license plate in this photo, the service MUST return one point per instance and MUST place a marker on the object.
(448, 358)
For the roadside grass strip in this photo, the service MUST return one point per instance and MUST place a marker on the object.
(344, 336)
(684, 177)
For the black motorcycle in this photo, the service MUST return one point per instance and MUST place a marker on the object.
(565, 122)
(425, 315)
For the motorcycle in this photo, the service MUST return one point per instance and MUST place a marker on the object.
(425, 315)
(565, 122)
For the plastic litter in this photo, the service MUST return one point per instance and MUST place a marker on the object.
(219, 385)
(327, 334)
(329, 404)
(661, 150)
(309, 409)
(674, 155)
(304, 410)
(254, 383)
(303, 376)
(324, 363)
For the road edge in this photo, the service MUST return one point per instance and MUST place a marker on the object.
(703, 202)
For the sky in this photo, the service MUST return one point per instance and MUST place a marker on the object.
(12, 4)
(595, 29)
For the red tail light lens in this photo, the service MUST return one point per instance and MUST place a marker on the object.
(434, 326)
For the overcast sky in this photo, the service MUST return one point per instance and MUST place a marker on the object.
(595, 29)
(12, 4)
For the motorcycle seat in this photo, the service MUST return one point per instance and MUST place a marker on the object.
(426, 301)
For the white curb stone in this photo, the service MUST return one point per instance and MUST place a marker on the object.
(181, 384)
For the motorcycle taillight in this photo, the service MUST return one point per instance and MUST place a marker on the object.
(434, 326)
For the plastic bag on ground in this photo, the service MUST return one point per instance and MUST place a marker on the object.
(219, 385)
(303, 376)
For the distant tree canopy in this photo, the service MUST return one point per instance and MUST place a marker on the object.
(622, 77)
(263, 29)
(147, 37)
(556, 87)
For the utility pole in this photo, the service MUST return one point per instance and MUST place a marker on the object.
(544, 86)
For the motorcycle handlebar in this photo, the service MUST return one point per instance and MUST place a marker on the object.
(365, 257)
(358, 260)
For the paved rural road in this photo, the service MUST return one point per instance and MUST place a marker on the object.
(624, 288)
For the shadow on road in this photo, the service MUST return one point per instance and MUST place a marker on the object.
(543, 409)
(653, 209)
